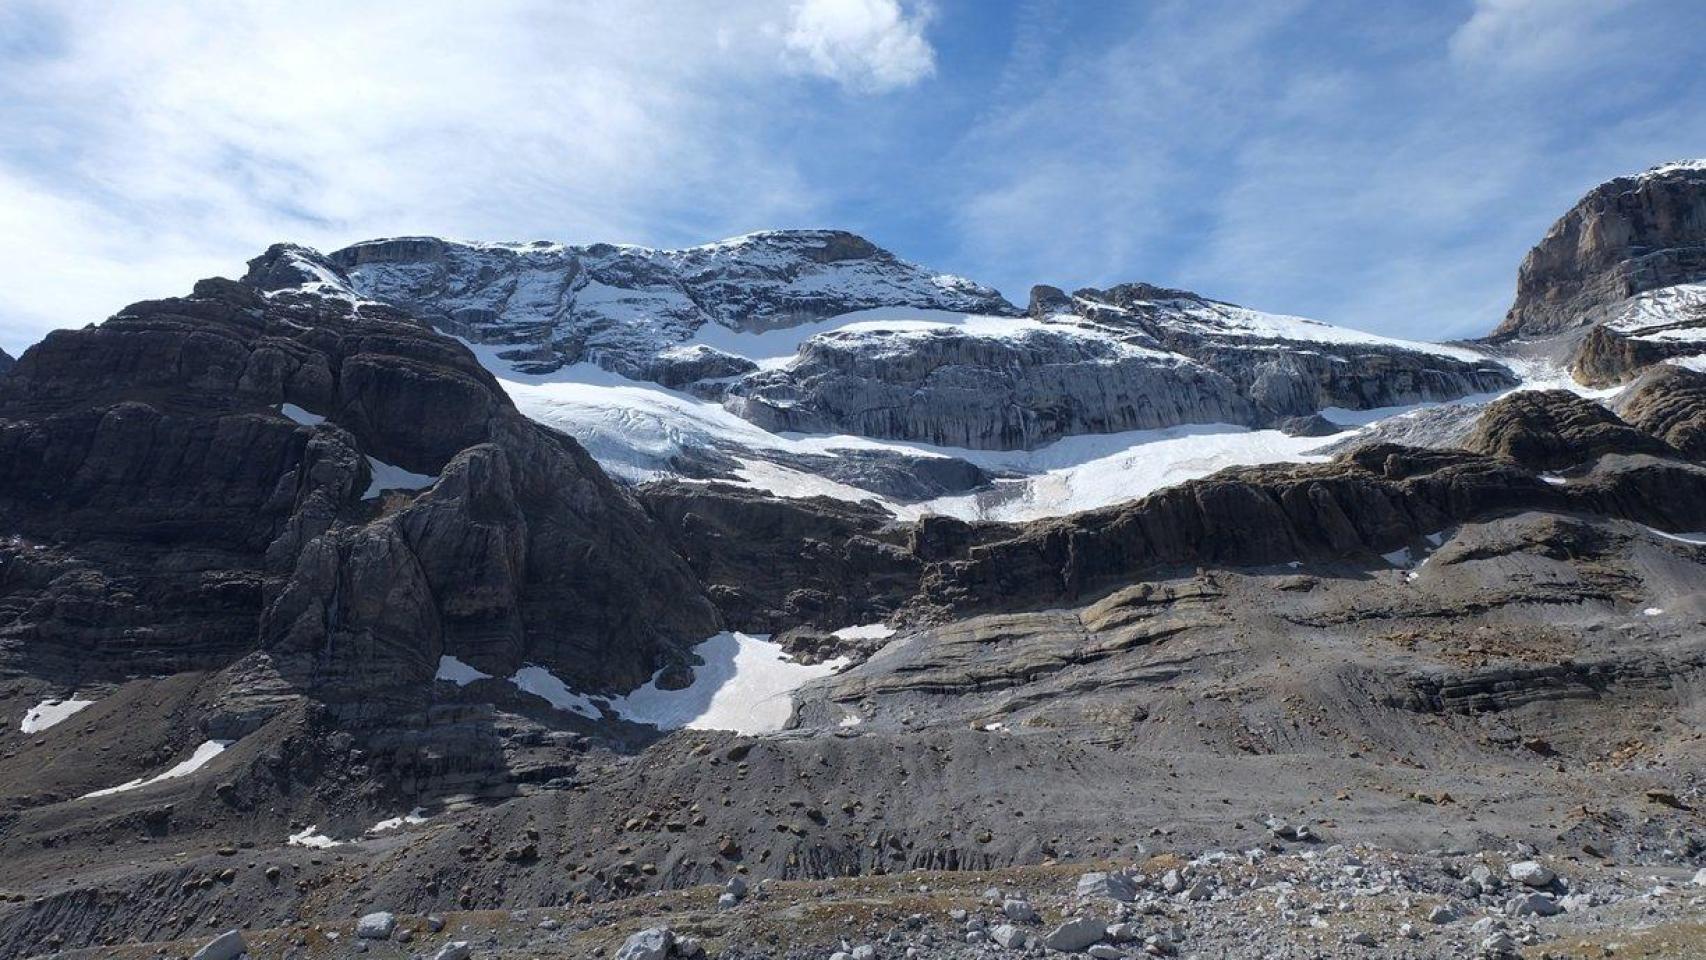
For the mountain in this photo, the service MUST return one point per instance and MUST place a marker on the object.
(1625, 269)
(6, 361)
(562, 601)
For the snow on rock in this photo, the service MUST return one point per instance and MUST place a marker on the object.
(1676, 314)
(388, 476)
(452, 670)
(745, 685)
(415, 816)
(543, 683)
(1697, 539)
(869, 631)
(311, 837)
(300, 415)
(198, 759)
(49, 712)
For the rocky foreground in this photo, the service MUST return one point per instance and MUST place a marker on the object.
(1284, 896)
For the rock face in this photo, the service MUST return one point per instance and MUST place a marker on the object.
(1669, 403)
(1555, 429)
(625, 308)
(198, 480)
(1133, 357)
(1627, 236)
(6, 362)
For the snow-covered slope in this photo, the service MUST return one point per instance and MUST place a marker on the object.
(812, 363)
(625, 308)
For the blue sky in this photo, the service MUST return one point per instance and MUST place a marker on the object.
(1377, 165)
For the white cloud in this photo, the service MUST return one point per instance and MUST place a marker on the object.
(865, 45)
(144, 146)
(1533, 36)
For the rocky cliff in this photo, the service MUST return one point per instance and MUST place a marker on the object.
(625, 308)
(6, 361)
(1627, 236)
(1623, 271)
(327, 490)
(1131, 358)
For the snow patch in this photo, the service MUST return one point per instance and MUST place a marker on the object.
(417, 815)
(310, 837)
(1696, 539)
(542, 683)
(296, 413)
(869, 631)
(50, 712)
(745, 684)
(204, 753)
(452, 670)
(1652, 611)
(387, 476)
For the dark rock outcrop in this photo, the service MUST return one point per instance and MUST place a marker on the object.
(1364, 503)
(1669, 403)
(6, 362)
(1555, 430)
(772, 564)
(166, 515)
(1628, 235)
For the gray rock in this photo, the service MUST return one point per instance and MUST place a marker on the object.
(1442, 914)
(376, 926)
(1532, 905)
(1172, 881)
(227, 946)
(652, 943)
(865, 951)
(727, 901)
(454, 950)
(1103, 951)
(1107, 886)
(1076, 934)
(1532, 874)
(1018, 910)
(1010, 936)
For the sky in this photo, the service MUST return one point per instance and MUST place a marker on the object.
(1383, 166)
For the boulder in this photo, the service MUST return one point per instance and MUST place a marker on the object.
(229, 945)
(1106, 886)
(376, 926)
(1076, 934)
(652, 943)
(454, 950)
(1531, 873)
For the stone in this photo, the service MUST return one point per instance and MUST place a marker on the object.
(227, 946)
(689, 948)
(1010, 936)
(1532, 905)
(1172, 881)
(376, 926)
(454, 950)
(1531, 873)
(1075, 934)
(1442, 915)
(727, 901)
(1700, 877)
(1123, 932)
(865, 951)
(1106, 886)
(1018, 910)
(1103, 951)
(653, 943)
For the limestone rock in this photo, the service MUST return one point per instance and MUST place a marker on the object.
(229, 945)
(376, 926)
(1628, 235)
(652, 943)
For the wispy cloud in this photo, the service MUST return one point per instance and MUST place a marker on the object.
(147, 145)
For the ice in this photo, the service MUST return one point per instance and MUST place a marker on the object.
(300, 415)
(49, 712)
(204, 753)
(1652, 611)
(388, 476)
(869, 631)
(455, 671)
(542, 683)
